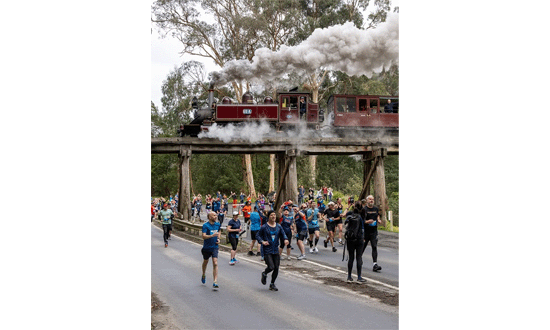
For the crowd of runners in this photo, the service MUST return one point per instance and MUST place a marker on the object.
(272, 231)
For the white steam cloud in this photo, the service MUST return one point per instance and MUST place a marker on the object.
(340, 47)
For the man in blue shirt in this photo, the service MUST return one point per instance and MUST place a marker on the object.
(287, 222)
(255, 224)
(269, 236)
(211, 236)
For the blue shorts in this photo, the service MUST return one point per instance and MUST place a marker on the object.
(206, 254)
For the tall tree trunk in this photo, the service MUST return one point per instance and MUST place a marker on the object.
(271, 173)
(248, 176)
(313, 163)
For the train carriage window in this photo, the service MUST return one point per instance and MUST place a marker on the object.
(374, 105)
(345, 104)
(285, 102)
(294, 102)
(362, 105)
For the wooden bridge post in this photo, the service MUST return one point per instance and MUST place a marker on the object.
(292, 178)
(282, 170)
(185, 189)
(367, 164)
(380, 196)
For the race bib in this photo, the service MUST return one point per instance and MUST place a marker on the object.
(273, 238)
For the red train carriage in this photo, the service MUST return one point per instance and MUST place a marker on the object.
(366, 111)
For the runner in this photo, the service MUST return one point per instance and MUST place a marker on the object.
(234, 228)
(255, 225)
(372, 221)
(331, 215)
(268, 235)
(211, 236)
(301, 230)
(287, 222)
(166, 216)
(313, 226)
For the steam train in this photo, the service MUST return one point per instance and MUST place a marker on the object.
(292, 109)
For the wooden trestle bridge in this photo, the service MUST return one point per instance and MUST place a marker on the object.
(373, 150)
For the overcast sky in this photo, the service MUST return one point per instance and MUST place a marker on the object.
(165, 56)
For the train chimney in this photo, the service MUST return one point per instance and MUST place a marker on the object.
(210, 94)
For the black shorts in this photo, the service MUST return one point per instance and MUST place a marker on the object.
(331, 225)
(206, 254)
(253, 234)
(372, 237)
(233, 241)
(170, 227)
(337, 222)
(312, 230)
(289, 236)
(301, 235)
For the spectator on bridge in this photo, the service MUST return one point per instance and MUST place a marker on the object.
(269, 235)
(211, 240)
(388, 108)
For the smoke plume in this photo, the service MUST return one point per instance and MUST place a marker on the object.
(340, 47)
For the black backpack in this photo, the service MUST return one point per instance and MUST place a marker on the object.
(353, 228)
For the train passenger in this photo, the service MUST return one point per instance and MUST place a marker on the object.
(302, 107)
(388, 108)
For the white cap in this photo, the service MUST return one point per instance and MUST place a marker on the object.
(235, 213)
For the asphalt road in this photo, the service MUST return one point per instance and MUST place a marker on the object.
(242, 302)
(388, 257)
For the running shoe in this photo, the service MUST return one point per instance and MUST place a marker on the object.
(169, 237)
(288, 258)
(215, 286)
(165, 245)
(340, 242)
(231, 262)
(350, 279)
(376, 268)
(360, 279)
(264, 278)
(334, 249)
(235, 260)
(258, 254)
(315, 249)
(325, 243)
(272, 287)
(250, 253)
(203, 279)
(262, 258)
(310, 250)
(302, 256)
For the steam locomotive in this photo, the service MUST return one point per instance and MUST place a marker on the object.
(293, 108)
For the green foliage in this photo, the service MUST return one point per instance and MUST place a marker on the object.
(164, 175)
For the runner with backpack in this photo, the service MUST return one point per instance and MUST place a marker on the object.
(354, 240)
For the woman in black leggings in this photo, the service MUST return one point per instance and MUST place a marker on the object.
(355, 247)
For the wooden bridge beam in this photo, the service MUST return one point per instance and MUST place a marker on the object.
(185, 183)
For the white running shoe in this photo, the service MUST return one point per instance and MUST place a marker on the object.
(302, 256)
(310, 250)
(315, 249)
